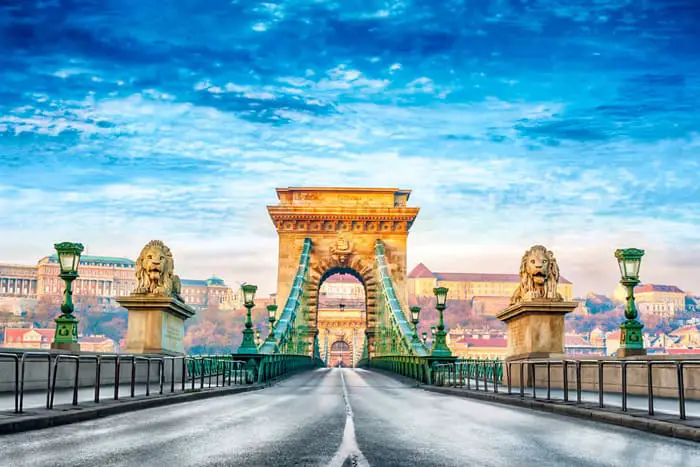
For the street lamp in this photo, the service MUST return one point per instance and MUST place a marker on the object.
(425, 338)
(272, 315)
(415, 315)
(66, 337)
(440, 348)
(631, 341)
(248, 345)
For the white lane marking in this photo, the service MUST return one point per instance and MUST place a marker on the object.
(348, 447)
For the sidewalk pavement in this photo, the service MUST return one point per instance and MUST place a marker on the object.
(39, 417)
(37, 399)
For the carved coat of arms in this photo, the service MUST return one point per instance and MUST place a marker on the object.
(341, 249)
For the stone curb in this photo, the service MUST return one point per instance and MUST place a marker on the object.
(65, 414)
(639, 422)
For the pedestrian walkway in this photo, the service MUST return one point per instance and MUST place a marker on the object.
(37, 399)
(662, 405)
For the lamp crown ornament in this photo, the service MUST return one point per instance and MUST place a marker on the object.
(272, 311)
(248, 345)
(629, 260)
(69, 256)
(249, 294)
(440, 295)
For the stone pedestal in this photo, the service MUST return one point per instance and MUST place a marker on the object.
(67, 346)
(536, 328)
(156, 325)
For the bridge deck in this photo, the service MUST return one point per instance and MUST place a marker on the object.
(306, 420)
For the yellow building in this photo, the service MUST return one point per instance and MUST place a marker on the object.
(660, 300)
(102, 278)
(17, 280)
(466, 286)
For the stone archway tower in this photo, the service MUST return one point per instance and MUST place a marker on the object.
(343, 224)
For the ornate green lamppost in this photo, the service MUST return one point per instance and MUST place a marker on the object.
(440, 348)
(66, 337)
(415, 315)
(272, 316)
(248, 345)
(425, 338)
(631, 341)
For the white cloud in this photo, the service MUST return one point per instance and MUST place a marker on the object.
(482, 203)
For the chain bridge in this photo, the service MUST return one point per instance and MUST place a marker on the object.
(404, 403)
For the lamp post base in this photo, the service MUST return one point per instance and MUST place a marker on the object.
(440, 348)
(68, 346)
(631, 340)
(624, 353)
(248, 345)
(66, 337)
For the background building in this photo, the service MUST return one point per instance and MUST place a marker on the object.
(101, 279)
(18, 280)
(34, 338)
(491, 292)
(212, 293)
(665, 301)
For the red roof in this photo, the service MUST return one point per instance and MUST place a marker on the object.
(481, 342)
(17, 334)
(420, 272)
(657, 288)
(574, 340)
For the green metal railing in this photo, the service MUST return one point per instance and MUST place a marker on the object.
(258, 369)
(273, 366)
(217, 369)
(417, 368)
(465, 373)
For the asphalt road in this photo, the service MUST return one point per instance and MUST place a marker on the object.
(341, 418)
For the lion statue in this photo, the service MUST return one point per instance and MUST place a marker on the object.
(539, 275)
(154, 272)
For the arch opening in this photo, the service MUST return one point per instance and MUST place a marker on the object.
(341, 316)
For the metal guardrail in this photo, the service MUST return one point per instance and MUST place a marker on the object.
(224, 369)
(490, 372)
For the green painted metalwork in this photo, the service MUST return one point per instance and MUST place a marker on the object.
(394, 334)
(631, 341)
(248, 346)
(294, 317)
(66, 323)
(245, 369)
(440, 348)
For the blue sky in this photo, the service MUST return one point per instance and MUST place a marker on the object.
(569, 123)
